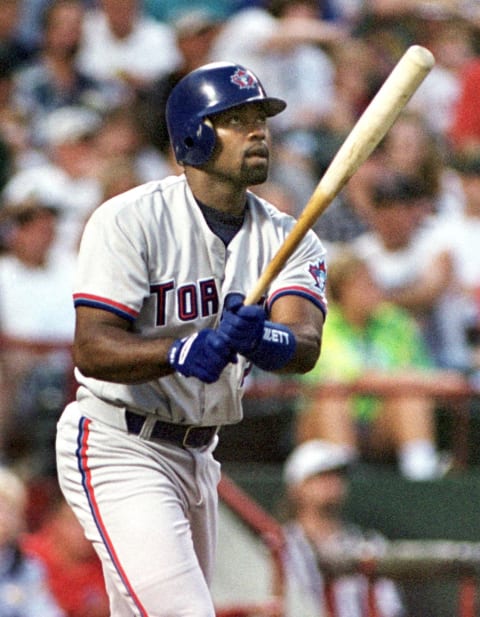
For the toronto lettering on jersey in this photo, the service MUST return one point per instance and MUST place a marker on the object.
(192, 300)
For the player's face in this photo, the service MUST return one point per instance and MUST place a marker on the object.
(242, 145)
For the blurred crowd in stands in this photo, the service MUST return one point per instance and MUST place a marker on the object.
(83, 87)
(316, 477)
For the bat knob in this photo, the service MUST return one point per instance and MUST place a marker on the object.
(421, 56)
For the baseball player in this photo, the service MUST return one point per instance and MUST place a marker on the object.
(163, 342)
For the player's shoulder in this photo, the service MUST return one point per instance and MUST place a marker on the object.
(279, 222)
(152, 195)
(264, 208)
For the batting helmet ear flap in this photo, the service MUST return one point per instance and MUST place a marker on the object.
(197, 144)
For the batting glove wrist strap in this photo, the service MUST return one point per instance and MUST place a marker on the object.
(203, 355)
(275, 349)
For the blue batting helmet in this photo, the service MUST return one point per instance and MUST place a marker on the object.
(209, 90)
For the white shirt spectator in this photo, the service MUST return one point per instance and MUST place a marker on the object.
(444, 325)
(460, 236)
(74, 197)
(36, 303)
(147, 52)
(65, 179)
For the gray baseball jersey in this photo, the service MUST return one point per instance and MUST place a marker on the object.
(149, 256)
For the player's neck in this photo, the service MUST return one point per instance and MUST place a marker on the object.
(222, 196)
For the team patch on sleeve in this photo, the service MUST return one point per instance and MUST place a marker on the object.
(106, 304)
(310, 284)
(319, 273)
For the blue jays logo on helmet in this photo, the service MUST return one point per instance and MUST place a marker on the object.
(243, 79)
(206, 91)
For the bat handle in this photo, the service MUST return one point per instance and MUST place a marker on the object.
(257, 292)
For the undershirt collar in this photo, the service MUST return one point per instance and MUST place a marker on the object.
(223, 224)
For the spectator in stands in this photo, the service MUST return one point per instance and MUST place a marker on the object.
(12, 48)
(11, 131)
(411, 149)
(122, 135)
(411, 271)
(123, 46)
(464, 131)
(414, 149)
(72, 567)
(33, 275)
(388, 27)
(36, 330)
(195, 31)
(29, 26)
(318, 536)
(347, 217)
(354, 84)
(23, 585)
(52, 80)
(451, 40)
(67, 177)
(458, 236)
(375, 346)
(118, 175)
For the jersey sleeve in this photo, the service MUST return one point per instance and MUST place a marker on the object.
(112, 269)
(304, 274)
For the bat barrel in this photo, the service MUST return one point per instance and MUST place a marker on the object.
(378, 117)
(371, 127)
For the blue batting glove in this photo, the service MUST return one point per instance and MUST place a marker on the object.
(242, 325)
(267, 344)
(203, 355)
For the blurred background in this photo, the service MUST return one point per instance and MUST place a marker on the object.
(352, 491)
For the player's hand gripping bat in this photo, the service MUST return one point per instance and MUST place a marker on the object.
(371, 127)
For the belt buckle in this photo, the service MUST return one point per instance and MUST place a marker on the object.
(185, 443)
(185, 437)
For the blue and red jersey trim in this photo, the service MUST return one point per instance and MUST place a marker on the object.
(296, 290)
(82, 299)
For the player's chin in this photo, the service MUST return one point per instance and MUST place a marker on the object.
(256, 172)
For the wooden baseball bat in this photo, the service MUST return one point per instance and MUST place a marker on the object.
(371, 127)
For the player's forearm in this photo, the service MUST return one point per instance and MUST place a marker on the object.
(305, 321)
(105, 348)
(123, 358)
(307, 350)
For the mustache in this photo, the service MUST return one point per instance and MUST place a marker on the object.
(258, 150)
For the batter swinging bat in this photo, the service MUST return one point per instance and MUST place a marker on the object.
(371, 127)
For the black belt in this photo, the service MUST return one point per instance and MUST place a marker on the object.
(185, 436)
